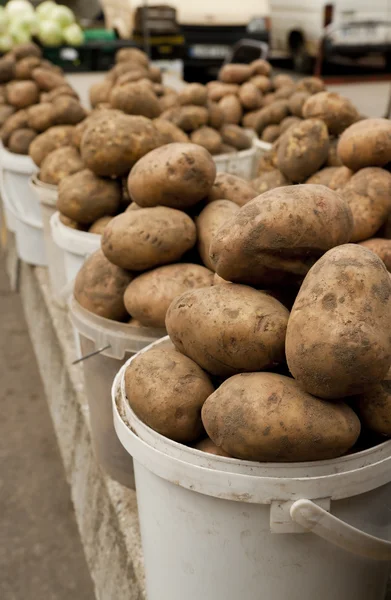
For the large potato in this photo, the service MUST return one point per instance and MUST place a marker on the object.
(176, 175)
(262, 82)
(366, 144)
(167, 391)
(296, 103)
(336, 111)
(216, 115)
(149, 295)
(267, 417)
(132, 55)
(368, 194)
(277, 237)
(271, 115)
(235, 136)
(208, 138)
(236, 73)
(231, 187)
(146, 238)
(250, 96)
(269, 181)
(21, 94)
(209, 221)
(312, 85)
(228, 329)
(100, 286)
(170, 132)
(303, 149)
(17, 120)
(380, 247)
(51, 139)
(41, 116)
(68, 110)
(24, 67)
(231, 108)
(85, 197)
(188, 117)
(47, 79)
(60, 163)
(136, 99)
(374, 407)
(338, 340)
(261, 67)
(217, 90)
(113, 143)
(193, 93)
(20, 140)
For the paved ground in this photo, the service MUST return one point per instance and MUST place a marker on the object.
(41, 557)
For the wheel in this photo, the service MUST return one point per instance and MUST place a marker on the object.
(302, 61)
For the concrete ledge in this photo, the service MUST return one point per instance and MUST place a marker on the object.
(106, 513)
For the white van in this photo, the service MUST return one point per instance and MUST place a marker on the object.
(298, 27)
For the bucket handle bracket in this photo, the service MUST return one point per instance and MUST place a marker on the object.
(319, 521)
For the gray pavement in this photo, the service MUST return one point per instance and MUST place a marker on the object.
(41, 556)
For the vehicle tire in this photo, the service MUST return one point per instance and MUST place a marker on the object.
(302, 61)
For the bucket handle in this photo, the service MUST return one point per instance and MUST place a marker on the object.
(320, 522)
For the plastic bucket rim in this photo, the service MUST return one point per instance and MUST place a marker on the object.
(70, 239)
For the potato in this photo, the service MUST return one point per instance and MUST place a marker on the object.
(132, 55)
(262, 82)
(84, 197)
(261, 67)
(100, 92)
(231, 187)
(22, 93)
(216, 115)
(338, 340)
(143, 239)
(284, 92)
(133, 77)
(100, 286)
(112, 144)
(168, 101)
(99, 226)
(187, 118)
(368, 194)
(323, 177)
(24, 67)
(312, 85)
(155, 74)
(149, 295)
(269, 181)
(7, 69)
(380, 247)
(268, 160)
(374, 407)
(219, 90)
(176, 175)
(366, 144)
(303, 150)
(21, 51)
(136, 99)
(5, 112)
(170, 132)
(18, 120)
(277, 421)
(166, 391)
(277, 237)
(269, 99)
(228, 329)
(61, 90)
(20, 140)
(50, 140)
(336, 111)
(236, 73)
(207, 138)
(60, 163)
(227, 149)
(271, 115)
(271, 133)
(282, 81)
(46, 79)
(250, 96)
(46, 64)
(210, 447)
(231, 109)
(194, 94)
(236, 136)
(71, 223)
(3, 96)
(68, 111)
(333, 159)
(41, 116)
(208, 222)
(340, 178)
(288, 122)
(296, 103)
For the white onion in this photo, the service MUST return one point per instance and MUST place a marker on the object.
(73, 35)
(50, 33)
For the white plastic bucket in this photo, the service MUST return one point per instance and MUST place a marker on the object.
(220, 528)
(261, 147)
(47, 195)
(76, 245)
(120, 341)
(239, 163)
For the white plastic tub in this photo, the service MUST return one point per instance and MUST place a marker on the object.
(238, 163)
(75, 245)
(218, 528)
(120, 341)
(47, 195)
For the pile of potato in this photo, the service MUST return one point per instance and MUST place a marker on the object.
(287, 356)
(158, 248)
(34, 96)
